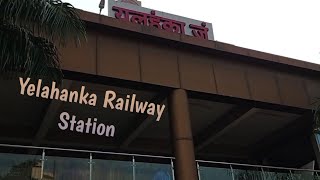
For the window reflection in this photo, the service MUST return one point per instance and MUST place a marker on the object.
(153, 171)
(112, 170)
(208, 173)
(62, 168)
(19, 167)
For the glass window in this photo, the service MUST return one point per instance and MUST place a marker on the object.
(221, 173)
(20, 166)
(247, 174)
(153, 171)
(64, 168)
(112, 170)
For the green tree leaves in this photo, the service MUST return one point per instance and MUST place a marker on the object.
(29, 30)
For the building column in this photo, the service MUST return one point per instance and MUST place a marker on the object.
(185, 164)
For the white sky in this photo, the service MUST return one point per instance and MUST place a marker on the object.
(284, 27)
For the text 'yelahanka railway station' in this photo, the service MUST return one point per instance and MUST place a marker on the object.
(153, 96)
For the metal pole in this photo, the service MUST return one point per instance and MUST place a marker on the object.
(134, 168)
(90, 167)
(85, 151)
(251, 165)
(291, 174)
(263, 174)
(198, 167)
(232, 172)
(42, 163)
(172, 169)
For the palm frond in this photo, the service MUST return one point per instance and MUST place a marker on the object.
(51, 19)
(21, 51)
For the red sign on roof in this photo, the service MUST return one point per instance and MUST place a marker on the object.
(160, 20)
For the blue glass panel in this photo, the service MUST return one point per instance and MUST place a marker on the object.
(19, 166)
(153, 171)
(112, 170)
(278, 176)
(65, 168)
(241, 174)
(210, 173)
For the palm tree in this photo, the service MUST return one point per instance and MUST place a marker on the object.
(31, 31)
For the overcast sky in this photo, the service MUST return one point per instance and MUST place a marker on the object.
(284, 27)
